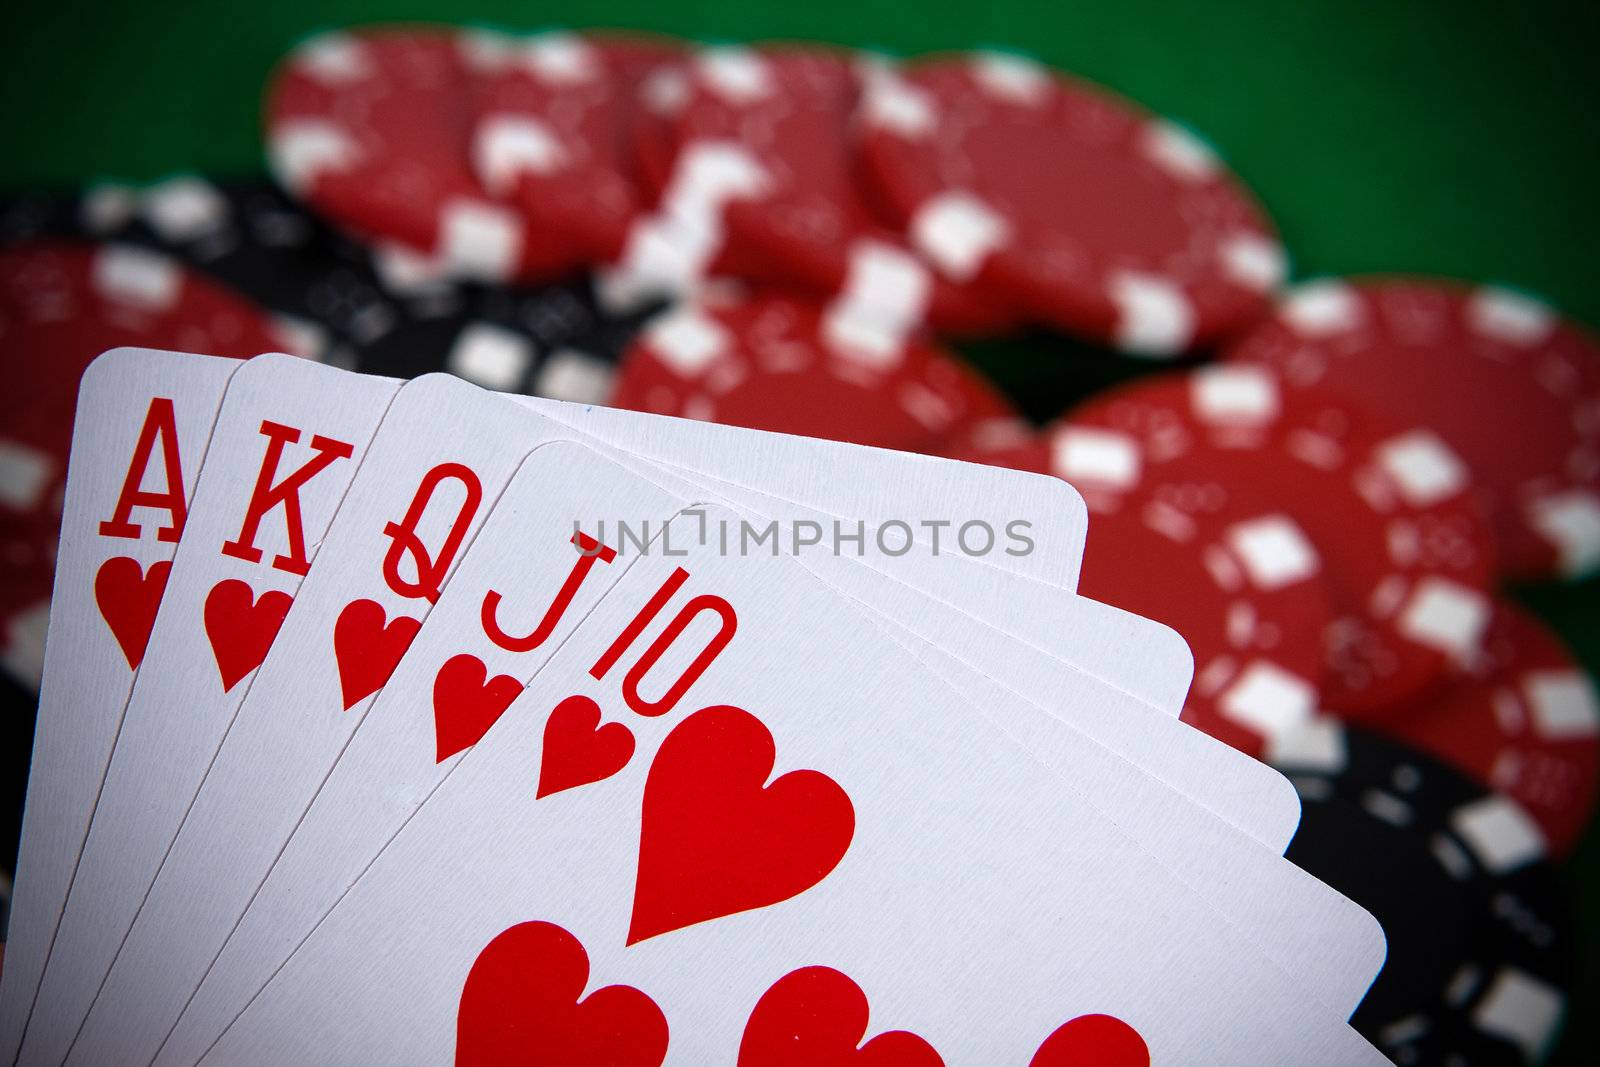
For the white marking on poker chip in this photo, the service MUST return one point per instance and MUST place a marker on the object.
(137, 276)
(1154, 316)
(1269, 700)
(1318, 745)
(578, 377)
(1274, 551)
(1178, 152)
(1254, 261)
(491, 356)
(301, 337)
(1562, 704)
(958, 233)
(862, 342)
(1233, 393)
(23, 655)
(333, 58)
(1320, 309)
(407, 272)
(884, 297)
(1000, 432)
(665, 91)
(506, 146)
(1083, 454)
(1445, 616)
(1522, 1010)
(1499, 833)
(24, 473)
(1011, 77)
(890, 103)
(739, 76)
(706, 176)
(1422, 467)
(106, 207)
(184, 208)
(561, 59)
(1570, 522)
(687, 340)
(667, 252)
(1511, 317)
(485, 51)
(933, 412)
(302, 150)
(480, 240)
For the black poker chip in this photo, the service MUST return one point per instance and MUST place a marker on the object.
(1479, 963)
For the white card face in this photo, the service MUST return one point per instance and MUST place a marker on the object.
(416, 503)
(144, 418)
(391, 765)
(727, 775)
(1140, 656)
(1237, 788)
(854, 481)
(1331, 946)
(289, 437)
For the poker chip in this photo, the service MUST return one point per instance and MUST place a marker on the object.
(62, 304)
(1239, 580)
(1406, 554)
(374, 130)
(785, 114)
(554, 134)
(1479, 962)
(320, 287)
(1067, 201)
(1513, 388)
(775, 362)
(552, 341)
(1522, 720)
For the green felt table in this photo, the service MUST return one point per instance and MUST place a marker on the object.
(1450, 138)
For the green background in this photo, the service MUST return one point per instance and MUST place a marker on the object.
(1450, 138)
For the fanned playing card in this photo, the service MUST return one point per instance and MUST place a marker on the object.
(462, 726)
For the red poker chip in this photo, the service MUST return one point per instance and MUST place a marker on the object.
(1068, 201)
(1523, 720)
(805, 222)
(61, 305)
(374, 130)
(1242, 583)
(554, 133)
(1512, 387)
(1407, 555)
(781, 363)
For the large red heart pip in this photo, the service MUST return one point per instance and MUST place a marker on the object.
(578, 749)
(520, 1006)
(241, 626)
(128, 596)
(1093, 1041)
(818, 1016)
(716, 840)
(367, 646)
(466, 702)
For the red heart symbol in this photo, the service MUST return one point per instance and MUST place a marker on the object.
(817, 1015)
(241, 626)
(128, 597)
(578, 750)
(466, 702)
(1093, 1041)
(716, 840)
(368, 648)
(520, 1005)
